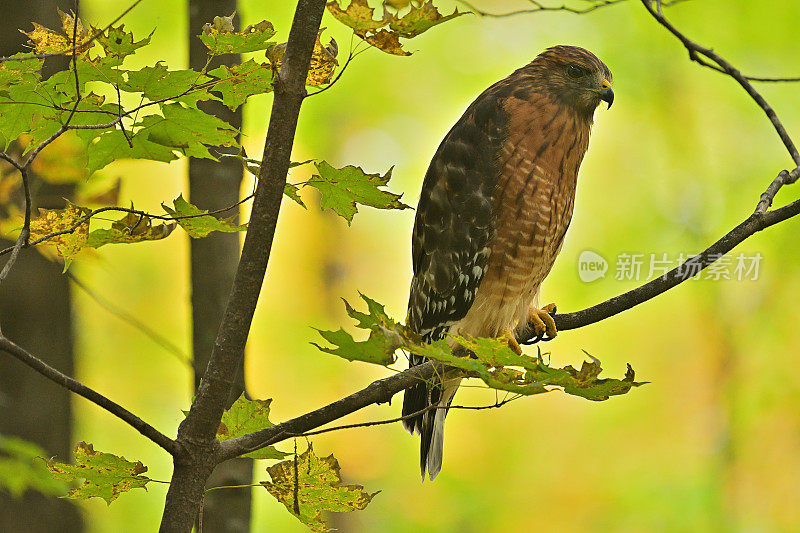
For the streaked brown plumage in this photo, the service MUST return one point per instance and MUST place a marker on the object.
(494, 208)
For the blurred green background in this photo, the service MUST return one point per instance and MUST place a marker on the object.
(713, 443)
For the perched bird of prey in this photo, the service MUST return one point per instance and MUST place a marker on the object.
(495, 205)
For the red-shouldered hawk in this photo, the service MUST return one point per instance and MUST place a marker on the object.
(492, 215)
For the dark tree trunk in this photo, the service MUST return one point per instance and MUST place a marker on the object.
(35, 311)
(214, 260)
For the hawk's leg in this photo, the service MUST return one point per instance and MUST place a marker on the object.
(542, 323)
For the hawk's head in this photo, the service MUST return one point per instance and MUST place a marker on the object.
(574, 76)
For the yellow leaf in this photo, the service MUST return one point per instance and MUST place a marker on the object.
(388, 42)
(358, 16)
(44, 40)
(323, 60)
(54, 220)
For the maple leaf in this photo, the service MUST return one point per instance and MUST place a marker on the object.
(318, 487)
(358, 16)
(323, 60)
(247, 416)
(386, 41)
(384, 33)
(420, 19)
(385, 337)
(129, 229)
(188, 130)
(199, 226)
(44, 40)
(113, 145)
(343, 188)
(118, 43)
(157, 83)
(54, 220)
(220, 38)
(238, 82)
(105, 475)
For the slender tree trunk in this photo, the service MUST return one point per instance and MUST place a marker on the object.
(35, 310)
(214, 260)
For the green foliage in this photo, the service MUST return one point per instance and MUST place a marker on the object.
(246, 416)
(220, 38)
(22, 468)
(105, 475)
(491, 360)
(199, 226)
(385, 336)
(238, 82)
(308, 485)
(343, 188)
(385, 33)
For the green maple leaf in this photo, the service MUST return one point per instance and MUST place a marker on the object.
(22, 469)
(29, 108)
(238, 82)
(199, 226)
(113, 145)
(105, 475)
(188, 130)
(219, 39)
(488, 359)
(385, 337)
(293, 191)
(343, 188)
(244, 417)
(24, 71)
(318, 488)
(158, 83)
(118, 43)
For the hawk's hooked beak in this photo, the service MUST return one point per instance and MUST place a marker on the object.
(606, 92)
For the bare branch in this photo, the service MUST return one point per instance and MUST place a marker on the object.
(380, 391)
(753, 224)
(401, 418)
(540, 7)
(90, 394)
(24, 234)
(696, 53)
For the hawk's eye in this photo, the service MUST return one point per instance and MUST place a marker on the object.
(574, 71)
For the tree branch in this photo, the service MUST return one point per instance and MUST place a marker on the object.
(380, 391)
(753, 224)
(93, 396)
(721, 65)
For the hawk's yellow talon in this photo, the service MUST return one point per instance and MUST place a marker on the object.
(541, 320)
(510, 337)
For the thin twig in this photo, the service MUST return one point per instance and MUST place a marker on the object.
(90, 394)
(401, 418)
(24, 235)
(82, 220)
(696, 51)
